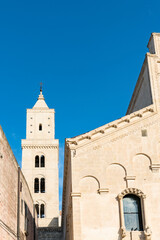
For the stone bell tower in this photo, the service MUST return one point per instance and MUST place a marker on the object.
(40, 162)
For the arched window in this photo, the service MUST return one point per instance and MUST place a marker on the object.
(132, 213)
(42, 161)
(42, 185)
(37, 209)
(42, 214)
(36, 185)
(40, 127)
(36, 161)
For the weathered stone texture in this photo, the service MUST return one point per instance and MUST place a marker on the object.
(49, 233)
(12, 190)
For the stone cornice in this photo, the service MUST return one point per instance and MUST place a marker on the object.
(103, 190)
(38, 146)
(113, 126)
(75, 194)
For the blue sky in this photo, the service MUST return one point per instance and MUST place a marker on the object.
(88, 54)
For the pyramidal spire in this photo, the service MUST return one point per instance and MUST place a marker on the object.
(40, 102)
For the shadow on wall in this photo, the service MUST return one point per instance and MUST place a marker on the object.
(30, 225)
(54, 222)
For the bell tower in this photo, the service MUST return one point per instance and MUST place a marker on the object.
(40, 162)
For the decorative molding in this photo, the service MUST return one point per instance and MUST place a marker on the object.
(130, 178)
(147, 233)
(39, 146)
(155, 167)
(135, 191)
(113, 126)
(75, 194)
(103, 190)
(74, 153)
(123, 232)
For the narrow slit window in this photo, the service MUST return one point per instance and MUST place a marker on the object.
(40, 127)
(37, 161)
(42, 185)
(36, 185)
(42, 211)
(42, 161)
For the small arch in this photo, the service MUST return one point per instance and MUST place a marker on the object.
(87, 176)
(42, 185)
(36, 185)
(42, 161)
(120, 166)
(144, 154)
(40, 127)
(36, 161)
(89, 184)
(115, 177)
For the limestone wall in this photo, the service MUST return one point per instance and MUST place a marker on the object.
(49, 233)
(13, 189)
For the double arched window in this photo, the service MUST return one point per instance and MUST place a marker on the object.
(132, 213)
(40, 161)
(39, 185)
(40, 208)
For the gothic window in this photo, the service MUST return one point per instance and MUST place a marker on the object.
(36, 185)
(37, 209)
(36, 161)
(132, 213)
(42, 215)
(42, 161)
(40, 127)
(42, 185)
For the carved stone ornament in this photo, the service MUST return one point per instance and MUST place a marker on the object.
(135, 191)
(123, 232)
(147, 233)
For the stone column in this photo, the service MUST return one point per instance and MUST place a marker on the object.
(147, 230)
(122, 225)
(76, 216)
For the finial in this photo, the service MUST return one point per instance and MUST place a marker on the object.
(41, 86)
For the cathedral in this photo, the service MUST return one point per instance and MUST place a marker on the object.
(111, 182)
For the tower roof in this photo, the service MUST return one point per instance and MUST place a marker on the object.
(40, 102)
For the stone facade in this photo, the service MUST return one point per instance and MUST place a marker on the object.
(17, 216)
(118, 161)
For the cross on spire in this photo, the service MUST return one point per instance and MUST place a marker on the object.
(41, 84)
